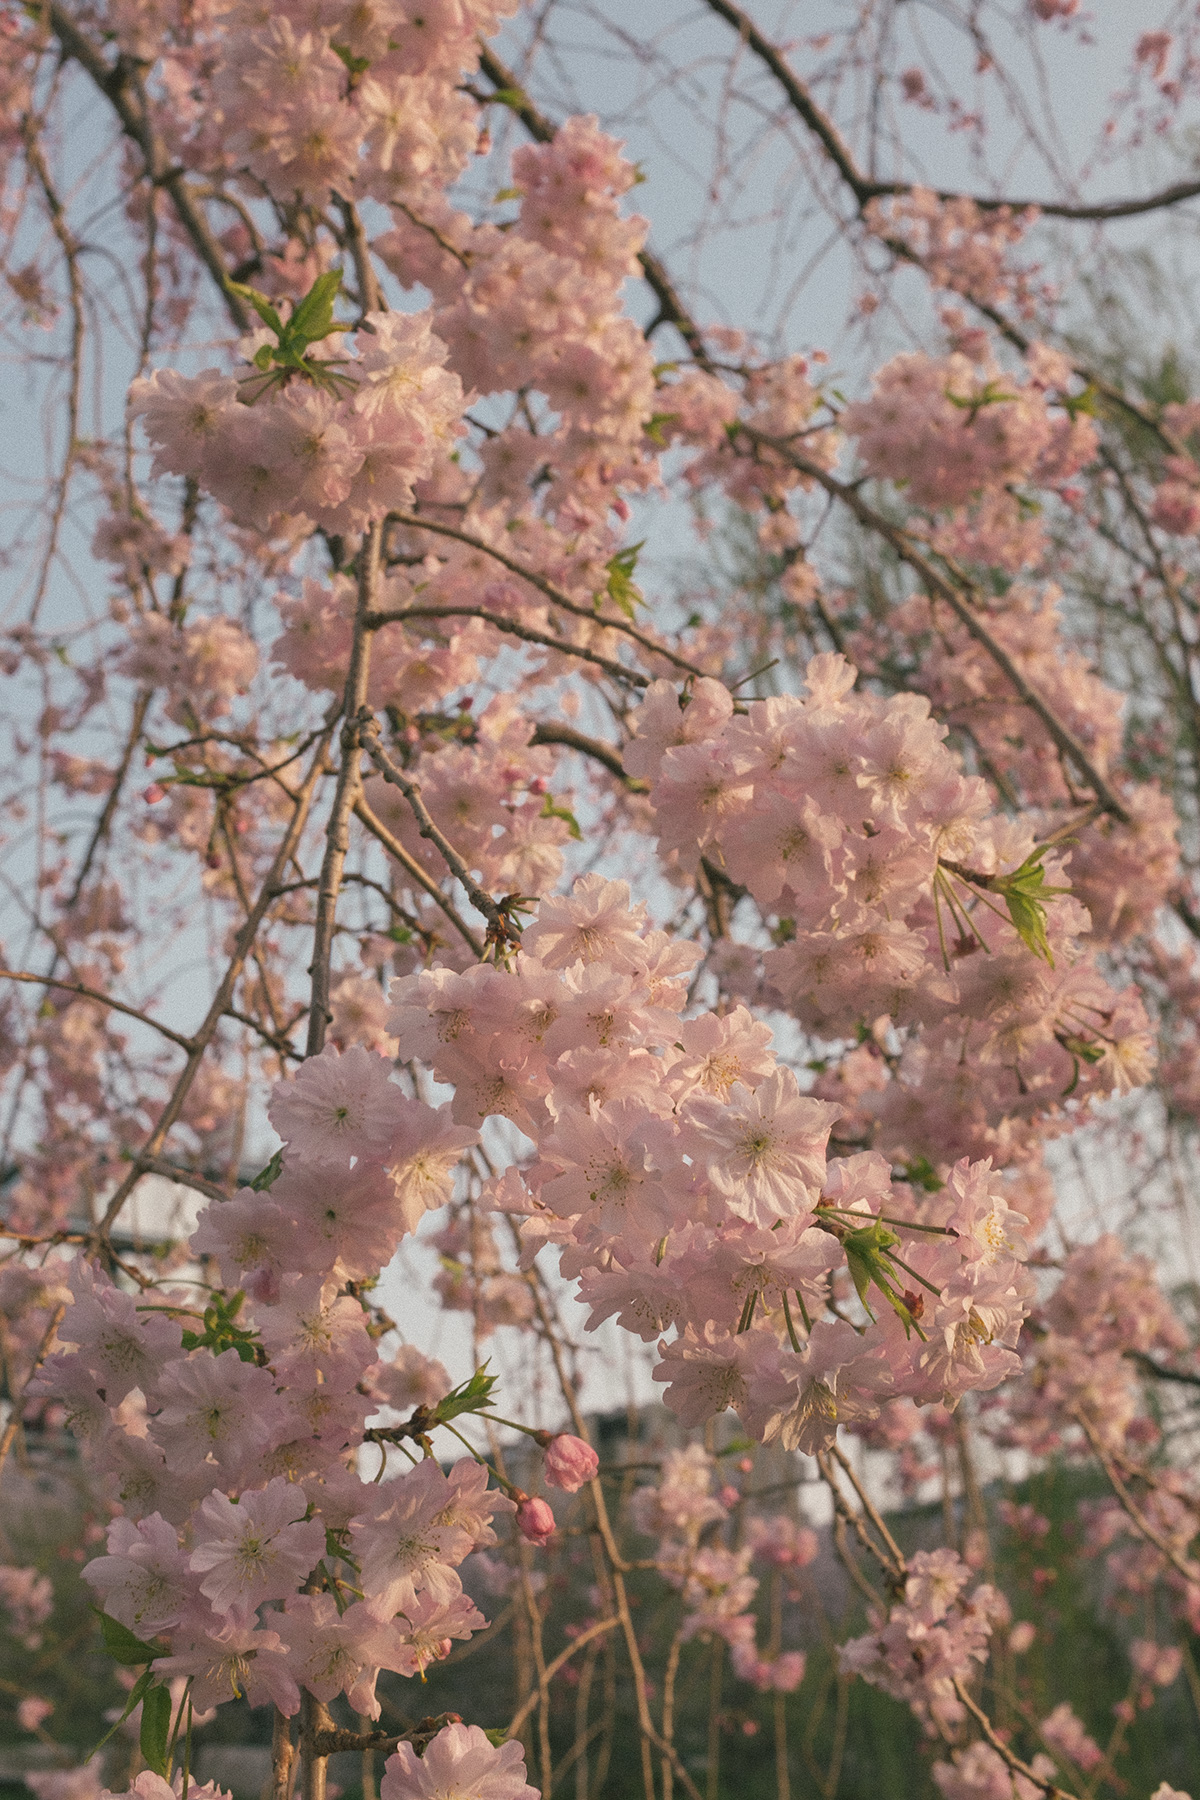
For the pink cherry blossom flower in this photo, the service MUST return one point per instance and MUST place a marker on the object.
(458, 1764)
(412, 1379)
(594, 924)
(231, 1660)
(765, 1147)
(337, 1653)
(403, 1544)
(219, 1406)
(144, 1581)
(339, 1105)
(32, 1711)
(260, 1548)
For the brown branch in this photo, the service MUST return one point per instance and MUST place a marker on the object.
(90, 993)
(865, 188)
(547, 587)
(943, 589)
(349, 785)
(70, 250)
(333, 1740)
(870, 1509)
(162, 1165)
(606, 754)
(552, 1668)
(224, 994)
(893, 1574)
(391, 771)
(1181, 1564)
(525, 632)
(1158, 1370)
(1050, 1788)
(115, 80)
(369, 297)
(13, 1424)
(412, 867)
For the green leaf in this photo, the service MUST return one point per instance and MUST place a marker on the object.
(357, 65)
(1075, 404)
(921, 1173)
(653, 427)
(268, 1175)
(551, 811)
(472, 1396)
(990, 395)
(509, 96)
(867, 1259)
(122, 1645)
(313, 317)
(336, 1546)
(621, 589)
(261, 305)
(156, 1729)
(1025, 893)
(137, 1692)
(508, 193)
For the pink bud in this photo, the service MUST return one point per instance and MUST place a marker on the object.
(154, 793)
(621, 507)
(728, 1496)
(569, 1463)
(535, 1521)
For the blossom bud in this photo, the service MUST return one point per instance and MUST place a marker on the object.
(154, 793)
(535, 1521)
(570, 1462)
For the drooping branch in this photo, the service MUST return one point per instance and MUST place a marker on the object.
(964, 602)
(243, 944)
(499, 925)
(412, 867)
(512, 628)
(90, 993)
(349, 785)
(544, 586)
(116, 81)
(866, 188)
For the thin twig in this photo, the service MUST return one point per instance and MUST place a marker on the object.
(551, 1670)
(349, 784)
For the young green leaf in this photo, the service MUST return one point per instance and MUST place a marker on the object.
(261, 305)
(551, 811)
(155, 1735)
(122, 1645)
(621, 589)
(472, 1396)
(1025, 893)
(313, 317)
(268, 1175)
(136, 1693)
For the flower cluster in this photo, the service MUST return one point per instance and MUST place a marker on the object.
(685, 1177)
(882, 871)
(336, 441)
(230, 1456)
(932, 1640)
